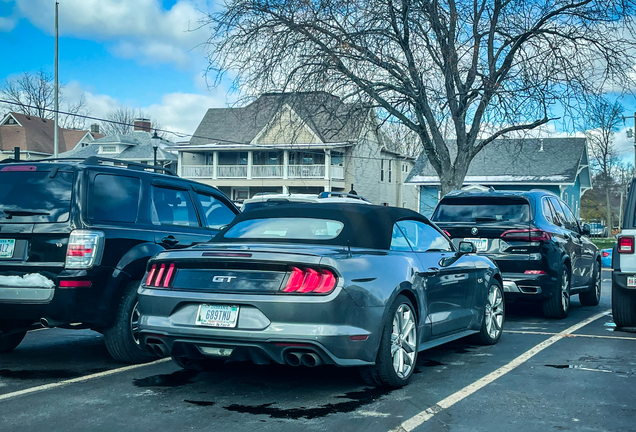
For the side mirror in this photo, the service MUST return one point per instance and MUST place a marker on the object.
(467, 247)
(586, 230)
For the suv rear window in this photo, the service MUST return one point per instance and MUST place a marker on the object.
(33, 197)
(480, 209)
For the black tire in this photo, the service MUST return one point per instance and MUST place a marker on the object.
(199, 365)
(593, 296)
(623, 308)
(383, 373)
(120, 339)
(558, 305)
(9, 342)
(495, 308)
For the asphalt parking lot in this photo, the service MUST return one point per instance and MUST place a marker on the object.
(577, 374)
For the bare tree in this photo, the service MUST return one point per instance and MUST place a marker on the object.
(603, 121)
(498, 66)
(121, 122)
(33, 94)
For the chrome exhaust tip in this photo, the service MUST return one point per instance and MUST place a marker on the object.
(293, 358)
(50, 323)
(311, 360)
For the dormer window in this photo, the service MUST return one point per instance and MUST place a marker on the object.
(109, 149)
(11, 121)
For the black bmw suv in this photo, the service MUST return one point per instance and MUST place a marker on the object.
(75, 237)
(542, 251)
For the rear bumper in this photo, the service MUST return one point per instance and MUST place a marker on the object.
(619, 280)
(521, 285)
(28, 295)
(268, 326)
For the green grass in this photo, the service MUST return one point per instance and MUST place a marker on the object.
(604, 243)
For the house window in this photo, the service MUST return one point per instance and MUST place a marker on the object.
(382, 170)
(11, 121)
(109, 149)
(232, 158)
(337, 158)
(390, 163)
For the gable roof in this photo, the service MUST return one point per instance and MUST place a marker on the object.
(331, 119)
(35, 134)
(138, 147)
(514, 161)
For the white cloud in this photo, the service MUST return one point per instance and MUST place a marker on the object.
(177, 112)
(7, 23)
(138, 29)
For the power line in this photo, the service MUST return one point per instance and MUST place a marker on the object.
(182, 134)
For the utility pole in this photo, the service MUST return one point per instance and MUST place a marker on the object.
(56, 143)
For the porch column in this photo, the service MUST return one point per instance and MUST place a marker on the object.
(249, 164)
(285, 166)
(215, 165)
(285, 190)
(327, 164)
(180, 164)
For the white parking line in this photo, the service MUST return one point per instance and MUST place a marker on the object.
(462, 394)
(570, 335)
(76, 380)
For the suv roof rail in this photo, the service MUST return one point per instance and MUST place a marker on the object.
(96, 160)
(341, 195)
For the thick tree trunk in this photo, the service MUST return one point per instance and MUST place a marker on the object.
(451, 180)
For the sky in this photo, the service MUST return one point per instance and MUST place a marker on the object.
(141, 54)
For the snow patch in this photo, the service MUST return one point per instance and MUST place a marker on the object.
(31, 280)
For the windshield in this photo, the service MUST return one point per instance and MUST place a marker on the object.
(480, 210)
(286, 228)
(34, 197)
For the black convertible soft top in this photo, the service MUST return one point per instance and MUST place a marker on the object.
(365, 226)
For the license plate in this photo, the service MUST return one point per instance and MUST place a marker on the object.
(6, 248)
(631, 281)
(480, 244)
(217, 316)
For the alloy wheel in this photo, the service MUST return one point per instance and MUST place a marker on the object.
(403, 341)
(565, 290)
(597, 282)
(134, 323)
(494, 313)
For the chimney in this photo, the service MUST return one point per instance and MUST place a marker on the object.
(94, 128)
(142, 124)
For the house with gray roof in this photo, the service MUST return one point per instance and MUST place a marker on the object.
(139, 146)
(559, 165)
(303, 142)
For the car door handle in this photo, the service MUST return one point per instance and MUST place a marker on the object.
(432, 271)
(170, 241)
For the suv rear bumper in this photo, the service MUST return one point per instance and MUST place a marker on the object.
(619, 280)
(521, 285)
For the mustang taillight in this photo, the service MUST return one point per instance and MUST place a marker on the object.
(532, 235)
(605, 254)
(160, 275)
(308, 280)
(626, 244)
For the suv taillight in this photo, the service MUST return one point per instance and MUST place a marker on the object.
(310, 281)
(626, 244)
(84, 249)
(532, 235)
(160, 275)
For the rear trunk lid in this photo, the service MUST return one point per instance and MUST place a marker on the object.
(500, 227)
(35, 218)
(240, 268)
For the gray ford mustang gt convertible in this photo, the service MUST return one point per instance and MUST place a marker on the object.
(308, 284)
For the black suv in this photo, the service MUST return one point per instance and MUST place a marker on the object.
(75, 237)
(542, 251)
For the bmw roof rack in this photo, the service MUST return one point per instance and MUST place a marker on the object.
(96, 160)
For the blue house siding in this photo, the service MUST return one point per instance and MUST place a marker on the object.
(428, 199)
(572, 197)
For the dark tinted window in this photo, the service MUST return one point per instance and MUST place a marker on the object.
(480, 209)
(562, 221)
(33, 197)
(173, 207)
(547, 210)
(215, 212)
(114, 198)
(286, 228)
(423, 237)
(570, 220)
